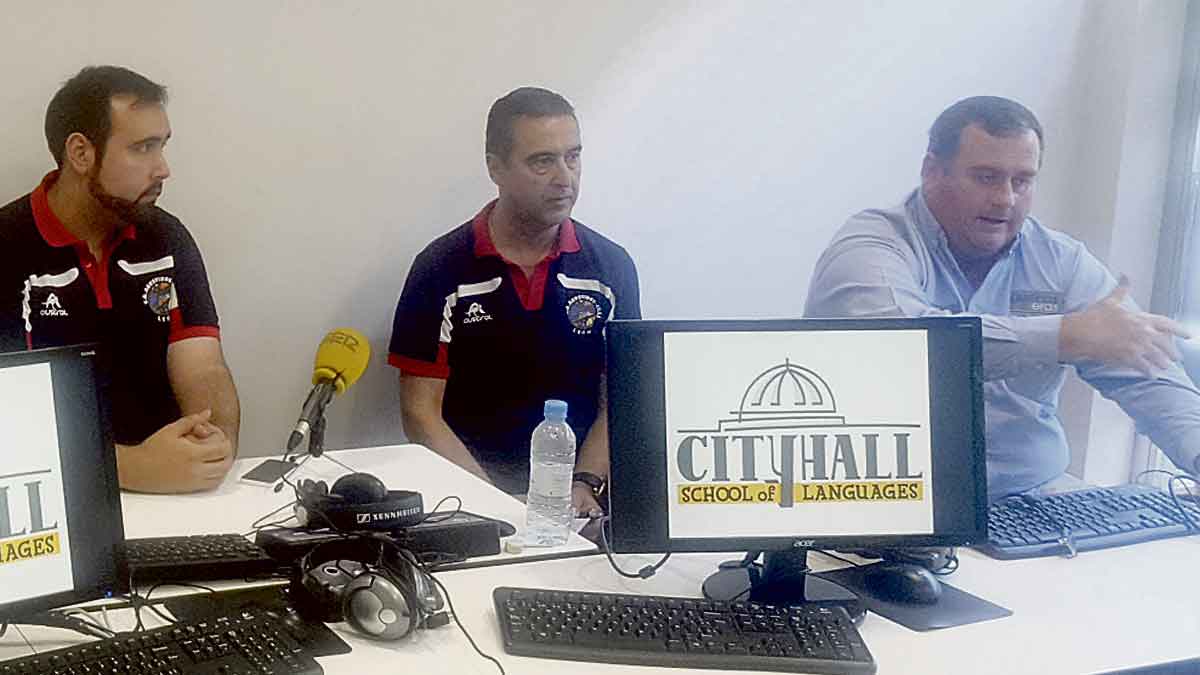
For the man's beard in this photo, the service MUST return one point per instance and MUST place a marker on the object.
(132, 212)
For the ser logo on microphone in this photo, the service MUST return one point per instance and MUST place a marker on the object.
(347, 340)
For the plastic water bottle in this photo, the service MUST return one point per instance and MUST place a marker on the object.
(551, 465)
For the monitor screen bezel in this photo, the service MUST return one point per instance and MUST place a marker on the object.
(636, 427)
(81, 412)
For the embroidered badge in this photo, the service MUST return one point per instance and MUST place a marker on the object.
(157, 297)
(1026, 303)
(583, 313)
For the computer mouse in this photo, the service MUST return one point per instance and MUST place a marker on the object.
(902, 583)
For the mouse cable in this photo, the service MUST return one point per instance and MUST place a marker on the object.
(645, 572)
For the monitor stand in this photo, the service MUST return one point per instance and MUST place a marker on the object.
(781, 579)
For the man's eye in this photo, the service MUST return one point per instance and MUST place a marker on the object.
(986, 178)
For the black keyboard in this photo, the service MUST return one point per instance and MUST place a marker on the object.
(196, 558)
(681, 632)
(1084, 520)
(247, 642)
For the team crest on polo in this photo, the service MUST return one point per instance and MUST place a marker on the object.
(157, 296)
(583, 312)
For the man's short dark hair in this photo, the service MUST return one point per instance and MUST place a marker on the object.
(526, 101)
(998, 116)
(84, 105)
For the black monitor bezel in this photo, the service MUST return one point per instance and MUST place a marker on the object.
(72, 368)
(638, 505)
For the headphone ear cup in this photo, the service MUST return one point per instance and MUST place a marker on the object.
(378, 608)
(320, 590)
(359, 488)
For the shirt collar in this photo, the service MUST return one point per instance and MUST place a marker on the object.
(484, 246)
(48, 224)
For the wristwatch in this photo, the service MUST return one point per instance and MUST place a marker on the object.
(596, 483)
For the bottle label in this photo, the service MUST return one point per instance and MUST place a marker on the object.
(551, 480)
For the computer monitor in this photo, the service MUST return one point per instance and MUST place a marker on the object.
(795, 435)
(60, 508)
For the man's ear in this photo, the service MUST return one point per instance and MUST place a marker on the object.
(79, 154)
(495, 167)
(932, 166)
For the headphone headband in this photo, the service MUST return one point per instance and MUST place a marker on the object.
(401, 508)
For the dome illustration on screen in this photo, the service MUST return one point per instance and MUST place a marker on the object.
(786, 391)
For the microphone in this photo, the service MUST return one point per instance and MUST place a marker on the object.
(341, 359)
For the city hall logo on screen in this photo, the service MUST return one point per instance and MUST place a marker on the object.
(25, 533)
(786, 444)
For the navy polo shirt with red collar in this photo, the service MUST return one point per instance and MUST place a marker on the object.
(505, 343)
(147, 290)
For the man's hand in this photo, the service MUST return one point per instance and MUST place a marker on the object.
(187, 455)
(1116, 335)
(584, 503)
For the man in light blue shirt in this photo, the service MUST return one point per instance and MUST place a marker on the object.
(964, 243)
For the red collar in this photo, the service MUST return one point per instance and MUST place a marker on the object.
(51, 228)
(484, 246)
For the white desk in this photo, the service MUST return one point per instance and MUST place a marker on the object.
(235, 505)
(1103, 610)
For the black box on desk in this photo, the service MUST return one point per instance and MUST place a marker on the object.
(458, 534)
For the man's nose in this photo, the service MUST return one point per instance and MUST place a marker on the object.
(562, 173)
(1005, 194)
(162, 170)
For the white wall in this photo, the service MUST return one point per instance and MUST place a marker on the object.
(318, 147)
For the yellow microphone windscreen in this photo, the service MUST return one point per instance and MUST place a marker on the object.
(342, 358)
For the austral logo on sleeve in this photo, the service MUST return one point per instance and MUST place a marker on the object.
(786, 444)
(31, 537)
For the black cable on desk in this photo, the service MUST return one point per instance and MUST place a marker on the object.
(645, 573)
(420, 569)
(461, 627)
(138, 601)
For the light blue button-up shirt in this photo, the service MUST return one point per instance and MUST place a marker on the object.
(897, 262)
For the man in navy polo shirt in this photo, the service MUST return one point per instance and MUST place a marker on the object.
(964, 243)
(88, 257)
(509, 309)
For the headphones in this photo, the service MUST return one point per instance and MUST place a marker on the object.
(356, 502)
(383, 601)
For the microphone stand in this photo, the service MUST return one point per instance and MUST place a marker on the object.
(316, 442)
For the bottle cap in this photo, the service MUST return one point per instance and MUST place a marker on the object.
(555, 409)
